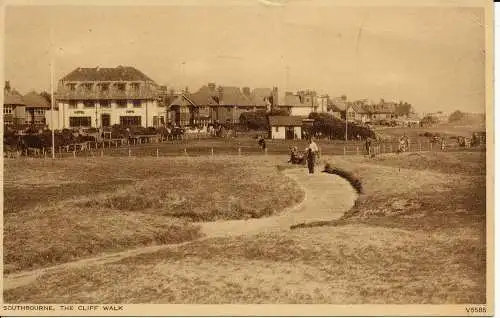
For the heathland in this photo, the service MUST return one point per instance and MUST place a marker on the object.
(417, 234)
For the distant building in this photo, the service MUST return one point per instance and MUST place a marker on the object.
(100, 97)
(13, 106)
(285, 127)
(300, 104)
(36, 106)
(222, 104)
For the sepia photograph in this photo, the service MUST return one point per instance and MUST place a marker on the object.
(269, 157)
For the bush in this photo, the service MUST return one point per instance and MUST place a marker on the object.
(333, 127)
(353, 180)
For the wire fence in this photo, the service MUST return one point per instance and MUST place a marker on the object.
(233, 147)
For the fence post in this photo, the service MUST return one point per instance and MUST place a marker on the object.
(357, 150)
(74, 154)
(185, 151)
(430, 145)
(419, 146)
(102, 153)
(212, 151)
(129, 152)
(239, 151)
(344, 150)
(157, 152)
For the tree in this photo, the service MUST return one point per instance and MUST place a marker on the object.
(456, 116)
(404, 108)
(46, 96)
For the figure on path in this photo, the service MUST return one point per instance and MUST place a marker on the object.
(312, 152)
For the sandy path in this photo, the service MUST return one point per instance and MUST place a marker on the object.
(327, 197)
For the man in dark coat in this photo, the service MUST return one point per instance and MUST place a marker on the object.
(312, 152)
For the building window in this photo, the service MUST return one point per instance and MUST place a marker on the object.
(79, 121)
(120, 87)
(137, 103)
(8, 122)
(87, 87)
(104, 87)
(7, 109)
(88, 104)
(121, 103)
(71, 86)
(276, 129)
(104, 103)
(127, 121)
(105, 120)
(73, 104)
(135, 86)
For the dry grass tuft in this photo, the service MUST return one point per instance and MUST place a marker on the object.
(113, 204)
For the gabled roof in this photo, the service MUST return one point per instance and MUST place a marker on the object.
(33, 99)
(12, 97)
(360, 109)
(285, 121)
(260, 96)
(202, 98)
(295, 101)
(182, 100)
(120, 73)
(233, 96)
(336, 105)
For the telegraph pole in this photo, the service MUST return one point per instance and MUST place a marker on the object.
(346, 122)
(52, 101)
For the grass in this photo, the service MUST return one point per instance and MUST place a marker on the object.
(416, 236)
(352, 265)
(58, 211)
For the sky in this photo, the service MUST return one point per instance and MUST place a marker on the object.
(431, 57)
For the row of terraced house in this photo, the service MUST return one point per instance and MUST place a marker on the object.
(99, 97)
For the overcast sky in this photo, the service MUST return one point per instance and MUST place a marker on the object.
(431, 57)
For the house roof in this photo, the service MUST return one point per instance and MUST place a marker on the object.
(120, 73)
(285, 121)
(12, 97)
(202, 98)
(295, 101)
(234, 96)
(260, 96)
(34, 99)
(336, 106)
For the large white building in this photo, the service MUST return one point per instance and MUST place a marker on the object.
(100, 97)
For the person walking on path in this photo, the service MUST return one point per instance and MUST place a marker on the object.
(312, 152)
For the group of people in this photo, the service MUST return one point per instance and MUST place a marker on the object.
(310, 156)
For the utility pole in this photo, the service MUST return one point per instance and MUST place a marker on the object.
(52, 101)
(346, 122)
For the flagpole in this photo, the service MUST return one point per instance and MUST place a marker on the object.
(52, 94)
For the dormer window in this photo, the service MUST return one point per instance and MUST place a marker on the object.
(137, 103)
(71, 86)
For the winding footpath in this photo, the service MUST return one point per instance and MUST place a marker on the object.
(327, 197)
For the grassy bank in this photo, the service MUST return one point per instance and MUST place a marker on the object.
(57, 211)
(417, 236)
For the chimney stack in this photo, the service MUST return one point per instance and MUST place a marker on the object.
(274, 102)
(7, 86)
(220, 93)
(246, 91)
(211, 87)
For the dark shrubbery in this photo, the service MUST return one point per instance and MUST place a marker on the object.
(353, 180)
(334, 128)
